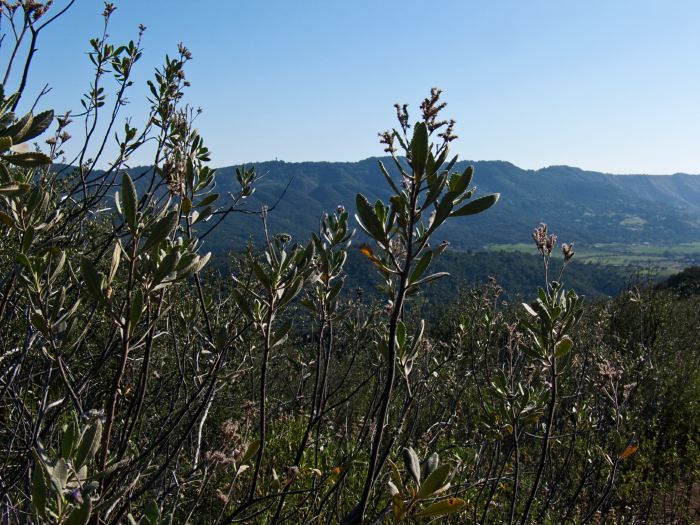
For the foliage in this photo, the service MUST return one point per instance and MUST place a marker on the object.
(684, 283)
(137, 385)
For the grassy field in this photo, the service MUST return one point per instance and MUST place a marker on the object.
(665, 260)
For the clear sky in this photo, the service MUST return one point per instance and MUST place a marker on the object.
(606, 85)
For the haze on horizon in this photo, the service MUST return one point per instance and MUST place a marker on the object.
(606, 86)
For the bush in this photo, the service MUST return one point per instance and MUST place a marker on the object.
(139, 386)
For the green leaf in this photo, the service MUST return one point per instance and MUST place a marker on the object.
(463, 181)
(421, 267)
(89, 444)
(335, 290)
(419, 150)
(6, 219)
(400, 335)
(307, 303)
(529, 310)
(393, 489)
(221, 338)
(410, 459)
(431, 463)
(395, 475)
(186, 205)
(290, 292)
(191, 265)
(116, 258)
(108, 471)
(129, 201)
(80, 515)
(383, 349)
(24, 261)
(161, 230)
(151, 513)
(500, 383)
(19, 128)
(91, 487)
(388, 177)
(203, 216)
(442, 508)
(476, 206)
(69, 440)
(136, 310)
(261, 275)
(30, 159)
(242, 304)
(442, 212)
(280, 335)
(251, 450)
(5, 174)
(39, 124)
(39, 488)
(434, 482)
(5, 143)
(59, 475)
(13, 189)
(368, 220)
(27, 239)
(430, 169)
(533, 352)
(166, 267)
(207, 200)
(433, 277)
(92, 279)
(563, 347)
(40, 324)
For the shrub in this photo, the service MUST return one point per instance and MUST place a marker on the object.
(137, 385)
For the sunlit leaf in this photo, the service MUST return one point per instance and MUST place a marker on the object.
(476, 206)
(129, 201)
(161, 230)
(251, 450)
(630, 449)
(410, 459)
(563, 347)
(419, 149)
(31, 159)
(39, 489)
(435, 482)
(442, 508)
(89, 444)
(80, 515)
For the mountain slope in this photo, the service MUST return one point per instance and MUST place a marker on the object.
(584, 206)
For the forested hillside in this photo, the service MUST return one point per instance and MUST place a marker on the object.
(347, 366)
(585, 207)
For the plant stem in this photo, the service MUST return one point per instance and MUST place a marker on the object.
(126, 334)
(545, 444)
(262, 429)
(385, 401)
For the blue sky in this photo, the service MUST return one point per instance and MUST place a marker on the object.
(605, 85)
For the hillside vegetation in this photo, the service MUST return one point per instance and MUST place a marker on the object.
(143, 382)
(594, 208)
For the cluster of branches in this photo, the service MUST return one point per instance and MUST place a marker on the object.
(135, 389)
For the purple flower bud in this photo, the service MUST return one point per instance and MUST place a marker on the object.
(75, 497)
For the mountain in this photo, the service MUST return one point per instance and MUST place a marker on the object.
(583, 206)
